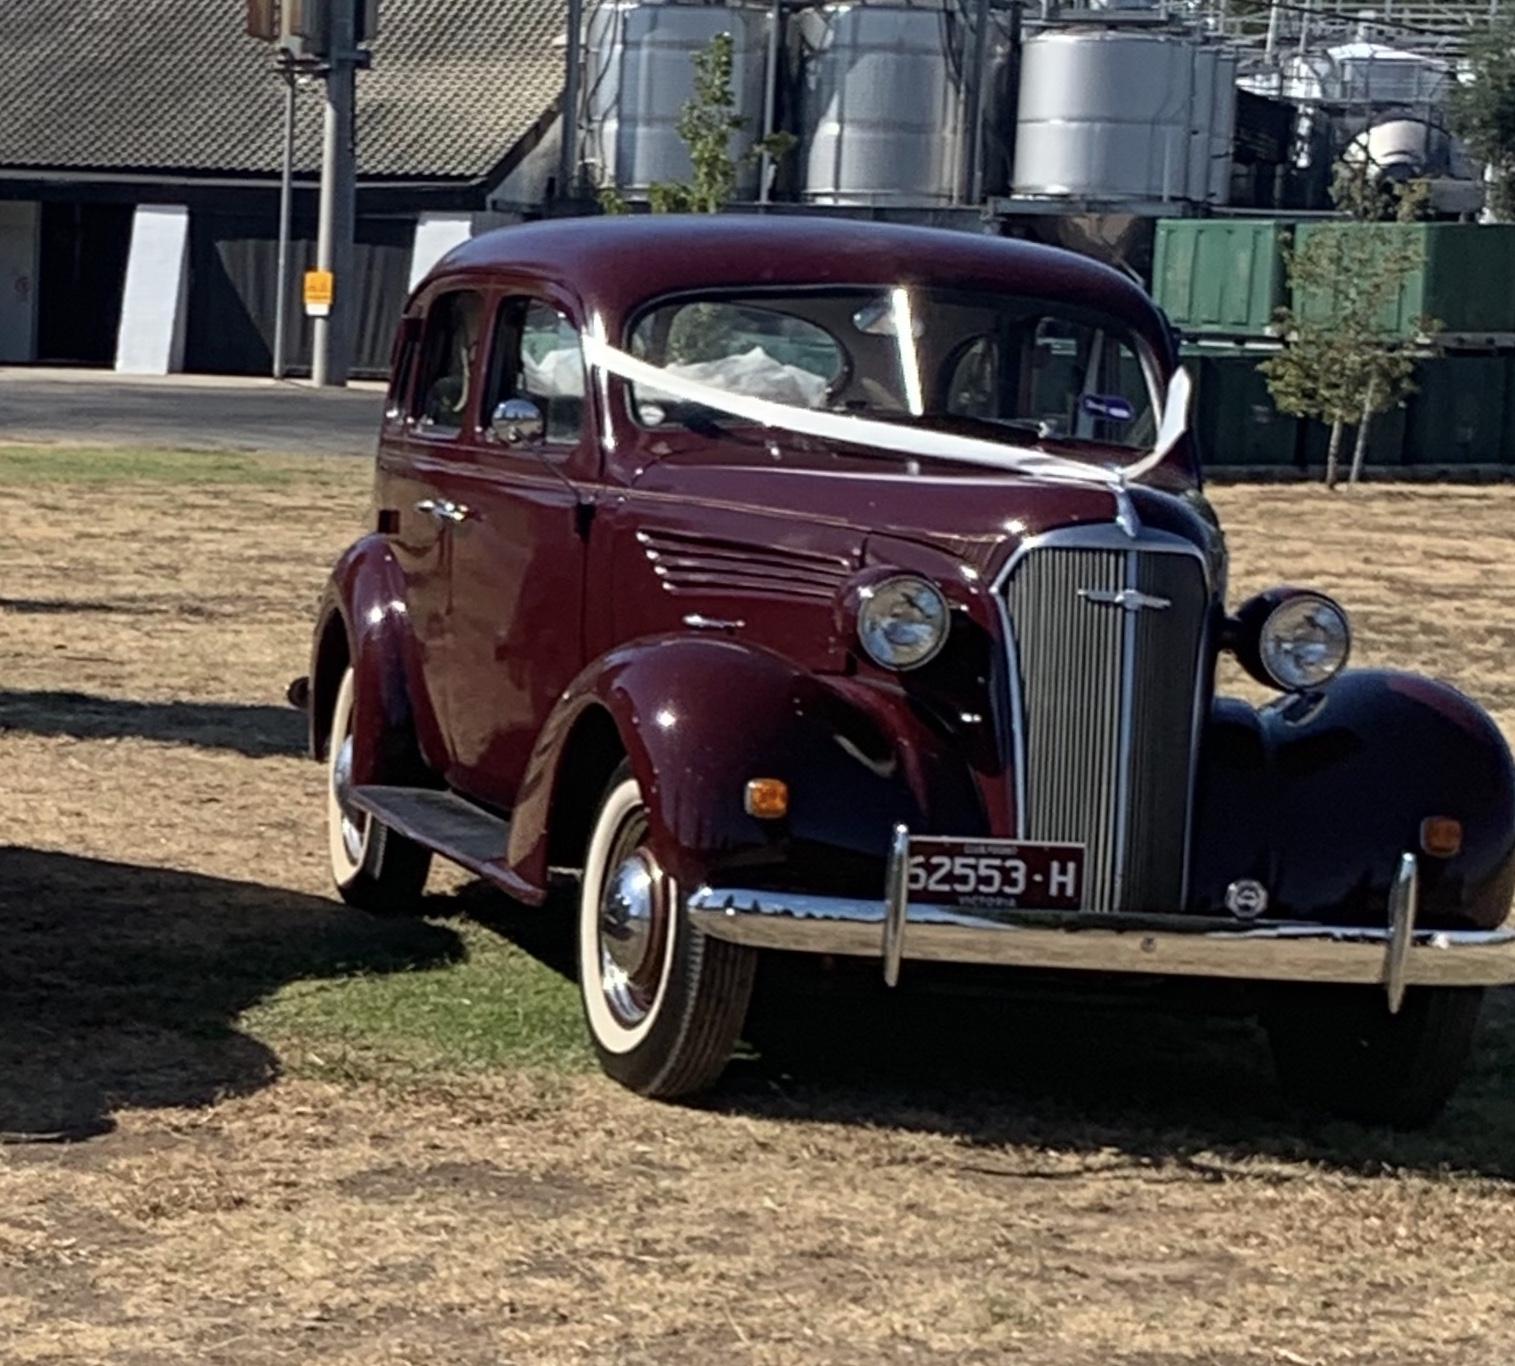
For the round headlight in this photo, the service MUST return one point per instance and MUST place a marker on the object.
(902, 622)
(1304, 642)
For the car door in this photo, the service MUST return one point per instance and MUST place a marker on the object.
(515, 615)
(419, 454)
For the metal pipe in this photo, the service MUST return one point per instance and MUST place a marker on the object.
(333, 334)
(770, 96)
(568, 151)
(975, 115)
(286, 207)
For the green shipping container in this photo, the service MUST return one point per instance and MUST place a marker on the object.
(1465, 282)
(1220, 277)
(1461, 412)
(1234, 417)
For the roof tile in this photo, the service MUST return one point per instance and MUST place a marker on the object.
(176, 85)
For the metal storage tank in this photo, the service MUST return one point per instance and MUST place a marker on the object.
(880, 102)
(1382, 75)
(1223, 125)
(1202, 79)
(1105, 114)
(639, 71)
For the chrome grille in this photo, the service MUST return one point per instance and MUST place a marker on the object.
(1105, 700)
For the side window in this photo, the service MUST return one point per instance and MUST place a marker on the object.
(450, 349)
(402, 364)
(973, 388)
(537, 357)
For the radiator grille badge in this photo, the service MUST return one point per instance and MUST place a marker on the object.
(1246, 899)
(1129, 599)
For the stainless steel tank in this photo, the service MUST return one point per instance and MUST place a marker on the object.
(880, 102)
(1375, 73)
(1202, 81)
(639, 72)
(1223, 125)
(1106, 114)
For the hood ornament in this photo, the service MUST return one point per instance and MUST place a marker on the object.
(1125, 510)
(1128, 599)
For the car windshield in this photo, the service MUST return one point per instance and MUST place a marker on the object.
(997, 366)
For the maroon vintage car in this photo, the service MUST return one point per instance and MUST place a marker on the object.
(835, 587)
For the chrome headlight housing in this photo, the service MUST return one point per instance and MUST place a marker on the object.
(902, 621)
(1304, 642)
(1293, 639)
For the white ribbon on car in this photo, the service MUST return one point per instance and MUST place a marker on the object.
(914, 441)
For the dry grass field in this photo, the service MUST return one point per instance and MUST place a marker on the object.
(244, 1125)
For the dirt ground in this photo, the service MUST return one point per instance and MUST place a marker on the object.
(191, 1174)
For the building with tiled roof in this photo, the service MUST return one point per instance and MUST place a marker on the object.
(113, 106)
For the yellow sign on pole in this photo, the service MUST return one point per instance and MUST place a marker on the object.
(319, 288)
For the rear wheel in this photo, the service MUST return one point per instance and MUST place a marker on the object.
(664, 1003)
(1338, 1049)
(374, 869)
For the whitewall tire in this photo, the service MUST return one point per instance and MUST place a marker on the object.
(664, 1004)
(373, 868)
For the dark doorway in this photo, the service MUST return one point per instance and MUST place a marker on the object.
(83, 276)
(233, 284)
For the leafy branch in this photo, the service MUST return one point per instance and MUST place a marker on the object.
(1344, 360)
(707, 123)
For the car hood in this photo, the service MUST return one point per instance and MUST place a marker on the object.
(972, 513)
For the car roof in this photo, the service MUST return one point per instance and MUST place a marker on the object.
(615, 264)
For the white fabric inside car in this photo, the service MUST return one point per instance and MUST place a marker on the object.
(753, 373)
(558, 374)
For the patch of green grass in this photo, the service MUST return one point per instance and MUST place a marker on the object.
(137, 464)
(495, 1007)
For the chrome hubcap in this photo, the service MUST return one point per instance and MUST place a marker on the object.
(354, 823)
(633, 927)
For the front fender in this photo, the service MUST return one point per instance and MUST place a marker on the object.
(362, 621)
(1317, 798)
(698, 718)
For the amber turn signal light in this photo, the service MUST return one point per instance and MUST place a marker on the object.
(1441, 836)
(766, 798)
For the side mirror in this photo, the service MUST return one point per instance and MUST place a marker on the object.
(517, 422)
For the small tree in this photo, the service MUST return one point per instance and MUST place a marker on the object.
(707, 123)
(1483, 111)
(1346, 367)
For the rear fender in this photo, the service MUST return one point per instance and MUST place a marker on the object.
(698, 718)
(362, 621)
(1317, 797)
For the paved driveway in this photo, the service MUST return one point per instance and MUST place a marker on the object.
(186, 412)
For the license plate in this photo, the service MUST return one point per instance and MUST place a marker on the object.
(1002, 874)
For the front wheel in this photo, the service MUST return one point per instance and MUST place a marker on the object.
(374, 869)
(665, 1004)
(1339, 1050)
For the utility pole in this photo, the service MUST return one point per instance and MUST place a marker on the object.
(568, 152)
(286, 206)
(334, 331)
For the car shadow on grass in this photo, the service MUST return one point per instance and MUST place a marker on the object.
(1125, 1081)
(255, 731)
(1134, 1078)
(121, 985)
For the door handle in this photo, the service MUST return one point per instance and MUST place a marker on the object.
(444, 509)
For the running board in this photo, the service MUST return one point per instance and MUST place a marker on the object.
(451, 826)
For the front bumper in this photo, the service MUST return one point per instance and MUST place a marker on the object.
(1396, 956)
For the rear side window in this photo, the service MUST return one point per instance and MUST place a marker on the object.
(448, 361)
